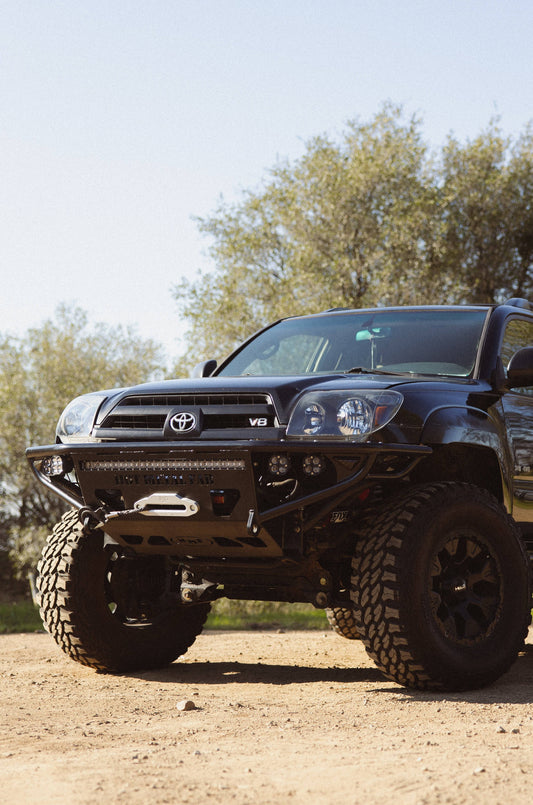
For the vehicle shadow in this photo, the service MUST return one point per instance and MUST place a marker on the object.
(216, 673)
(516, 686)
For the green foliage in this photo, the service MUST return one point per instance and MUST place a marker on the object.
(374, 219)
(39, 374)
(22, 616)
(487, 213)
(226, 614)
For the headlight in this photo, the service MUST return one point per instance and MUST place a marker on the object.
(76, 421)
(355, 417)
(342, 415)
(314, 419)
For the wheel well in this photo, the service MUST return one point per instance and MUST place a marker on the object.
(462, 463)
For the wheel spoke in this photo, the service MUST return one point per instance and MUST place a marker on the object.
(465, 592)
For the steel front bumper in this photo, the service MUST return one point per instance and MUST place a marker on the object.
(201, 499)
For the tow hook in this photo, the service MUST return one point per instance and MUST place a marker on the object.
(203, 591)
(90, 519)
(252, 526)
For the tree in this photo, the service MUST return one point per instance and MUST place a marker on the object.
(373, 219)
(520, 177)
(39, 374)
(487, 214)
(348, 224)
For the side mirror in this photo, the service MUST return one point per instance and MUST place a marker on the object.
(204, 369)
(520, 369)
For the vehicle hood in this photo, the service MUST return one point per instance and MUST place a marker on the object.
(283, 390)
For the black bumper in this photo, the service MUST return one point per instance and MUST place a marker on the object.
(201, 499)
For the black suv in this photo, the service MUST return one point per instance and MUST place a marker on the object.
(376, 463)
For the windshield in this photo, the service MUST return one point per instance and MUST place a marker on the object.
(422, 341)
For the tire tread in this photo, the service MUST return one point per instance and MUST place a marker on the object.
(375, 587)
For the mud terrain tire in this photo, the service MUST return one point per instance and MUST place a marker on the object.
(441, 589)
(342, 621)
(84, 605)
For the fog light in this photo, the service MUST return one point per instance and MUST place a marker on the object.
(279, 465)
(53, 465)
(313, 465)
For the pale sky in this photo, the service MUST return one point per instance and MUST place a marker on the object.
(121, 119)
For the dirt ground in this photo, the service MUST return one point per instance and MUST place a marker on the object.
(295, 717)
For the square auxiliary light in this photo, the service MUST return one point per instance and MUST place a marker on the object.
(52, 466)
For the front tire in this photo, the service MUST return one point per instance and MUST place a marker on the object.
(441, 589)
(107, 610)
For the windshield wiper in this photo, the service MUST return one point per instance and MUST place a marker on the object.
(360, 370)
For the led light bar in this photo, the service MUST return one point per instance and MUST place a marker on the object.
(155, 465)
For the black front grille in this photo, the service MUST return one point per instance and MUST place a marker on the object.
(144, 416)
(170, 400)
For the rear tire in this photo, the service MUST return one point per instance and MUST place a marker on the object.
(441, 589)
(91, 605)
(342, 621)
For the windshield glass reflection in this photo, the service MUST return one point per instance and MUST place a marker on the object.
(425, 341)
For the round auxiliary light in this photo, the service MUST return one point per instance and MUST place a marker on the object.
(313, 465)
(278, 465)
(354, 417)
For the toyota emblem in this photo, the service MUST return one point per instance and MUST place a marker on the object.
(183, 422)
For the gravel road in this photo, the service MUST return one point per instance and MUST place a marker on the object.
(295, 717)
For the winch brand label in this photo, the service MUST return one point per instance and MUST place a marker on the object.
(166, 479)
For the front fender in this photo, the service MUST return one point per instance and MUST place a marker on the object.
(469, 426)
(463, 425)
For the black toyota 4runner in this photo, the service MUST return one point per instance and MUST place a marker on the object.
(376, 463)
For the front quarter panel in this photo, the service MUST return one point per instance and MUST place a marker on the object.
(470, 425)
